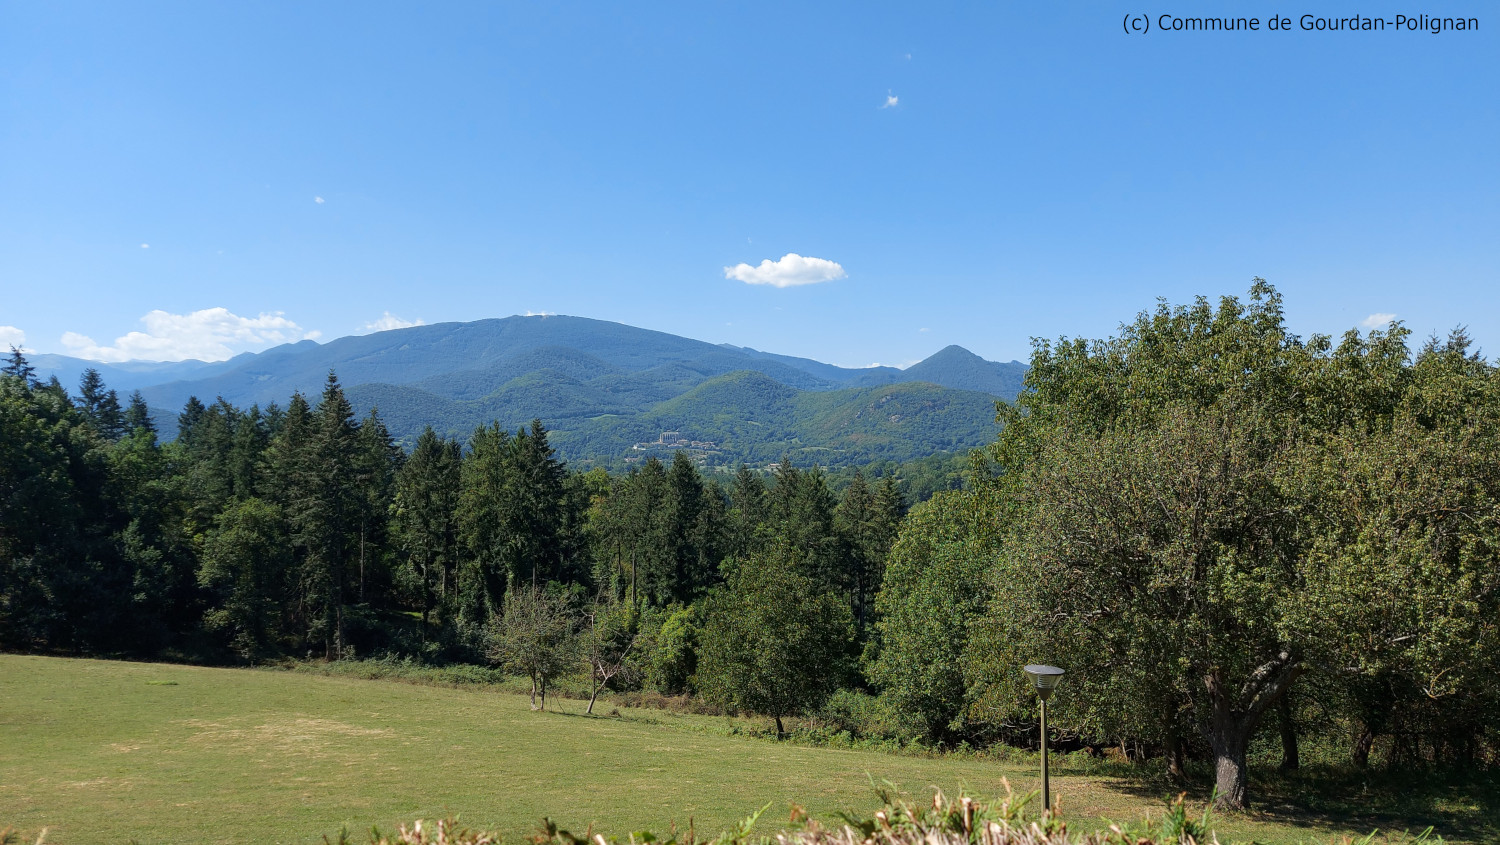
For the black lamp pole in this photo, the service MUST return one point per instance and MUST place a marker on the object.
(1045, 678)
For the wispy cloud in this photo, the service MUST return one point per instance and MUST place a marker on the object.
(390, 321)
(145, 246)
(318, 200)
(790, 271)
(891, 101)
(213, 334)
(11, 336)
(531, 313)
(1375, 321)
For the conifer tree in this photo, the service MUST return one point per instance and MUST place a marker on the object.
(378, 459)
(325, 517)
(138, 415)
(746, 520)
(424, 516)
(187, 421)
(17, 365)
(100, 405)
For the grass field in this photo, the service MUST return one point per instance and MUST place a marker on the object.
(101, 751)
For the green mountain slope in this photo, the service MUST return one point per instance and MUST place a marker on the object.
(746, 416)
(610, 391)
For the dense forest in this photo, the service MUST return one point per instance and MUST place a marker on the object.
(1219, 528)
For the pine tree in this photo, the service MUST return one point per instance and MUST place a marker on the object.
(378, 459)
(18, 366)
(138, 415)
(482, 477)
(101, 406)
(748, 514)
(187, 421)
(424, 515)
(534, 506)
(866, 521)
(801, 511)
(281, 480)
(325, 515)
(692, 544)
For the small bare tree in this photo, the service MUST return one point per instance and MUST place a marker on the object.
(610, 645)
(533, 635)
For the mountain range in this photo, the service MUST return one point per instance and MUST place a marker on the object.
(609, 393)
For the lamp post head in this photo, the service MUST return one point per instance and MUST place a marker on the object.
(1045, 678)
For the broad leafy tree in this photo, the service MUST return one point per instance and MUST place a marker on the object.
(775, 641)
(533, 635)
(1186, 529)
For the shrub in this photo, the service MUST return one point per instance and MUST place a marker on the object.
(865, 716)
(675, 658)
(943, 821)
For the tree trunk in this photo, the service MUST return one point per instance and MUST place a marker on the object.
(1362, 745)
(1176, 756)
(426, 599)
(1234, 717)
(1230, 783)
(338, 635)
(544, 692)
(1290, 758)
(593, 694)
(533, 692)
(780, 731)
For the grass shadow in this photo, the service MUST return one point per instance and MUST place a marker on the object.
(1326, 801)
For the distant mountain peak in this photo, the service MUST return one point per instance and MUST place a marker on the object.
(953, 350)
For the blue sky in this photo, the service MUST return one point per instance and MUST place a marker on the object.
(220, 177)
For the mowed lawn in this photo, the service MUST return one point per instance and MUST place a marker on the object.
(102, 751)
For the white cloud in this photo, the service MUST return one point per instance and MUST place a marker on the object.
(790, 271)
(891, 101)
(318, 200)
(145, 246)
(11, 336)
(1375, 321)
(213, 334)
(924, 329)
(391, 321)
(531, 313)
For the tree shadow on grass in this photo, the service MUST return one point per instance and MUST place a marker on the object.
(1325, 801)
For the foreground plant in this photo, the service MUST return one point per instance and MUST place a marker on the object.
(943, 821)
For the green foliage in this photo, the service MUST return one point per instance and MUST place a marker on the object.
(511, 513)
(246, 559)
(868, 717)
(1204, 508)
(900, 821)
(754, 419)
(775, 641)
(674, 652)
(424, 522)
(935, 588)
(533, 636)
(609, 644)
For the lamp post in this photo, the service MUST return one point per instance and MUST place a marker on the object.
(1045, 678)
